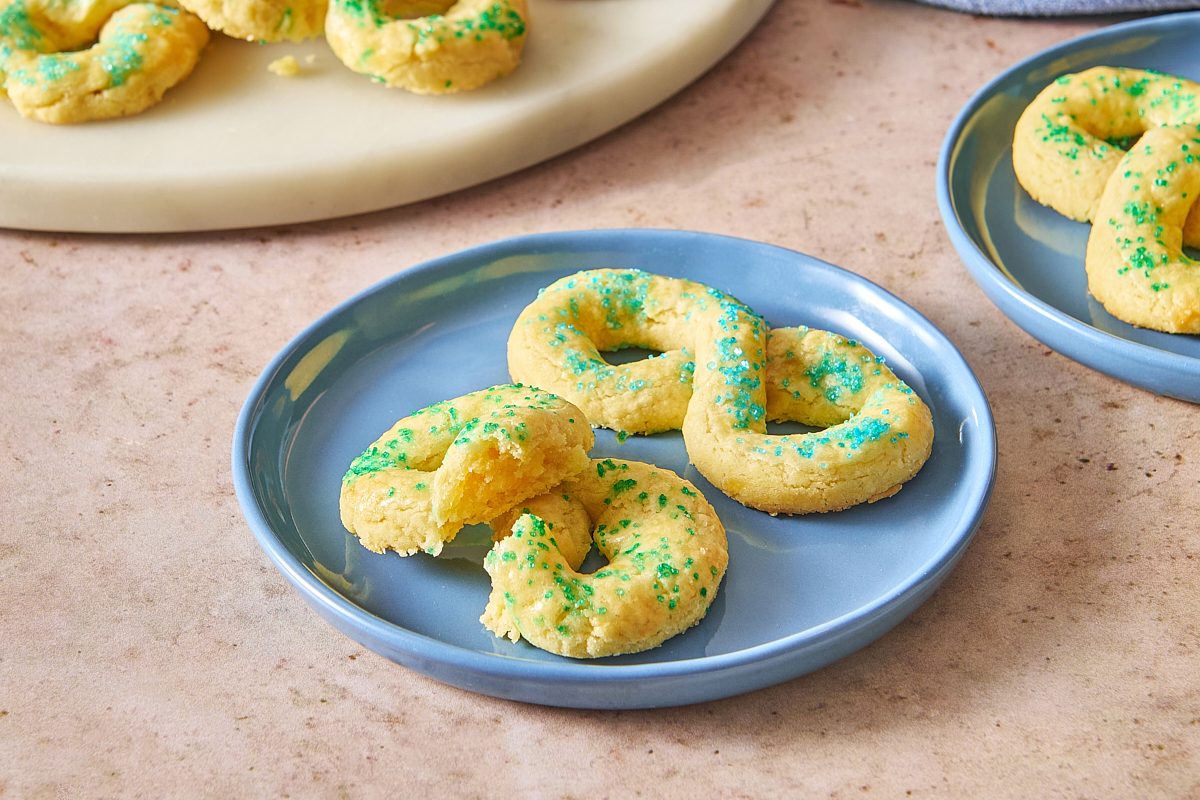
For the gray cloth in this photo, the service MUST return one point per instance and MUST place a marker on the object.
(1058, 8)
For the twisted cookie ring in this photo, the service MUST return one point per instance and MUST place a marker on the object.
(472, 43)
(666, 549)
(459, 462)
(720, 377)
(140, 50)
(1070, 139)
(1135, 261)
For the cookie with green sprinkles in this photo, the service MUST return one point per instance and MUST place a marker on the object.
(667, 553)
(719, 381)
(262, 20)
(1072, 136)
(874, 433)
(1135, 262)
(557, 341)
(429, 47)
(459, 462)
(68, 62)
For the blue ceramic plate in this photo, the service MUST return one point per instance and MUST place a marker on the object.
(800, 591)
(1029, 259)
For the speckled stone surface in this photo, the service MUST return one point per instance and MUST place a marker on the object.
(147, 647)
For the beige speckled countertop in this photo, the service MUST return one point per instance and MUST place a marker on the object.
(148, 648)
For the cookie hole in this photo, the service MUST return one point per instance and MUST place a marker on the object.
(1124, 142)
(595, 560)
(628, 355)
(790, 428)
(469, 546)
(413, 9)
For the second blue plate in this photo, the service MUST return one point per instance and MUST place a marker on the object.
(800, 591)
(1029, 259)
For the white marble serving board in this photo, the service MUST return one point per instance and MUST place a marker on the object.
(236, 146)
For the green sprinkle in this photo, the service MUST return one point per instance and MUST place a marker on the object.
(622, 485)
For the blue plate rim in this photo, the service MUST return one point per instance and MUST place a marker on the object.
(329, 602)
(1020, 306)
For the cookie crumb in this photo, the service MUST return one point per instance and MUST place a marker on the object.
(286, 67)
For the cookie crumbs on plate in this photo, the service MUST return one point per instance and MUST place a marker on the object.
(286, 67)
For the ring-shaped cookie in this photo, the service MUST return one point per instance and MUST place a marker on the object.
(472, 43)
(140, 51)
(1135, 262)
(459, 462)
(262, 20)
(874, 433)
(712, 381)
(666, 550)
(1069, 140)
(557, 340)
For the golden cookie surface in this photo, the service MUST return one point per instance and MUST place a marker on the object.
(716, 379)
(429, 47)
(75, 62)
(667, 553)
(1135, 262)
(262, 20)
(1069, 140)
(460, 462)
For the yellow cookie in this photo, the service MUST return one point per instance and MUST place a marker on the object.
(666, 550)
(716, 379)
(1135, 261)
(429, 47)
(1070, 139)
(460, 462)
(137, 52)
(262, 20)
(875, 432)
(557, 340)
